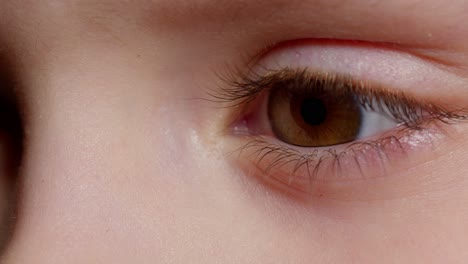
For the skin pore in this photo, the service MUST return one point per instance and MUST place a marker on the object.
(125, 161)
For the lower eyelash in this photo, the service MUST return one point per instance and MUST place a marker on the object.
(293, 169)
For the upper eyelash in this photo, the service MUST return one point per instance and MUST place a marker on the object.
(403, 108)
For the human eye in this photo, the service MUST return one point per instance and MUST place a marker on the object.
(324, 116)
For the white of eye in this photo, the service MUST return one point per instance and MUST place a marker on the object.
(374, 122)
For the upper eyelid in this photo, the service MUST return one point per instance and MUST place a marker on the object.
(389, 68)
(446, 60)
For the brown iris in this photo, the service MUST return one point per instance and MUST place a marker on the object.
(313, 117)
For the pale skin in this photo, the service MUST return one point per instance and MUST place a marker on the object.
(123, 163)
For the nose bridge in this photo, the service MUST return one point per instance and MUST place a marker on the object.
(95, 140)
(78, 129)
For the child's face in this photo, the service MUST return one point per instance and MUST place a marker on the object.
(231, 131)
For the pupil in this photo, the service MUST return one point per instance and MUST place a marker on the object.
(313, 111)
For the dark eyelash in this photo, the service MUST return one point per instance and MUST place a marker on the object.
(312, 160)
(403, 108)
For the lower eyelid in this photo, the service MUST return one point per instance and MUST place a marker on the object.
(335, 172)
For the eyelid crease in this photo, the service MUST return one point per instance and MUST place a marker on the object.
(446, 60)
